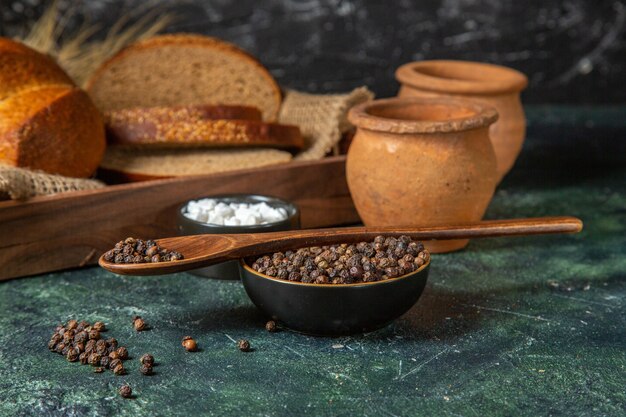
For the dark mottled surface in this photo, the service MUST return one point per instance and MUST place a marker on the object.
(527, 326)
(574, 51)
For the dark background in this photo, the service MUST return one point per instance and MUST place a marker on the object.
(573, 51)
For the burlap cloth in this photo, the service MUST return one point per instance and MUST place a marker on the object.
(21, 183)
(322, 120)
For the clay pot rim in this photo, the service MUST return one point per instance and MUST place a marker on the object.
(484, 115)
(492, 79)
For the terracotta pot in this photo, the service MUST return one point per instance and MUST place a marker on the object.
(497, 86)
(422, 162)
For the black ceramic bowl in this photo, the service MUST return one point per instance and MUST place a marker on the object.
(230, 270)
(334, 309)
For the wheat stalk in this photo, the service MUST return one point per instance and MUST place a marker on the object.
(76, 52)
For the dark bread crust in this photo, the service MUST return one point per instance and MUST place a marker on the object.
(206, 133)
(185, 39)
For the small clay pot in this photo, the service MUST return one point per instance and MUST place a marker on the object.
(422, 162)
(495, 85)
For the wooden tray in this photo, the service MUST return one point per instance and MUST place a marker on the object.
(71, 230)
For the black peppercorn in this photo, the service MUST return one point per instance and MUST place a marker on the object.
(125, 391)
(113, 363)
(72, 354)
(83, 358)
(94, 359)
(101, 347)
(99, 326)
(94, 334)
(369, 276)
(81, 337)
(243, 345)
(145, 369)
(315, 250)
(56, 338)
(323, 264)
(112, 344)
(122, 352)
(356, 272)
(147, 359)
(139, 324)
(270, 326)
(392, 272)
(295, 276)
(90, 346)
(68, 336)
(98, 370)
(321, 279)
(71, 325)
(104, 361)
(189, 344)
(153, 250)
(119, 370)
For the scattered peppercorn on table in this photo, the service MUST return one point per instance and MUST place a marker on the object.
(528, 326)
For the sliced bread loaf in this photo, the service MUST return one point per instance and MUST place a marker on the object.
(22, 68)
(184, 69)
(125, 164)
(56, 129)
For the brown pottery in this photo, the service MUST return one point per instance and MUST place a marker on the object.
(495, 85)
(422, 162)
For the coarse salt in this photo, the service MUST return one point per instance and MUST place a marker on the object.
(213, 211)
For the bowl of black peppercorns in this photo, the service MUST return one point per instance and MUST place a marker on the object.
(338, 289)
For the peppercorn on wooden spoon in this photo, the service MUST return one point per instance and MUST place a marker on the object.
(204, 250)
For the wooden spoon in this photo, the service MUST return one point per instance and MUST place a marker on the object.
(204, 250)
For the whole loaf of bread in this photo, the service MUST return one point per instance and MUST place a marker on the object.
(46, 122)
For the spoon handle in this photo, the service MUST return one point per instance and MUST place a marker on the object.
(487, 228)
(495, 228)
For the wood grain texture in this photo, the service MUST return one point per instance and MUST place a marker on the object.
(71, 230)
(205, 250)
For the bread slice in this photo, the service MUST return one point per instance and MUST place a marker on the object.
(153, 115)
(184, 69)
(198, 126)
(56, 129)
(152, 132)
(22, 68)
(122, 164)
